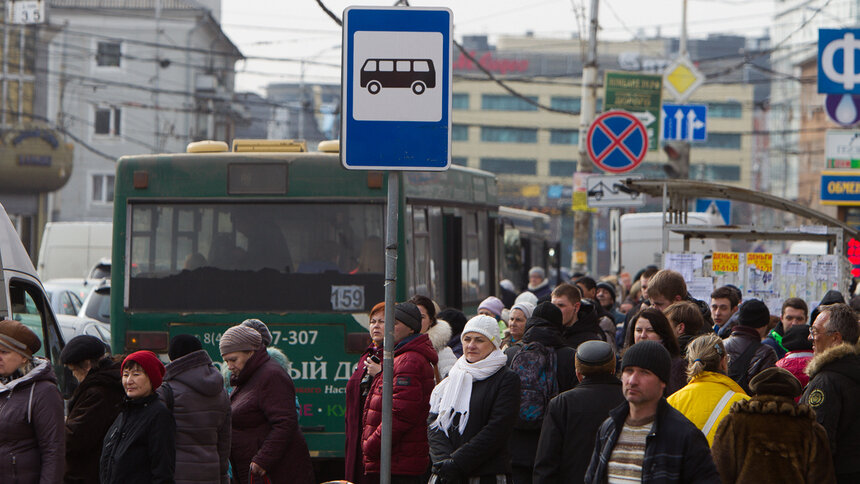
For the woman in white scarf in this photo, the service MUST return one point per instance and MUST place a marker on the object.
(473, 410)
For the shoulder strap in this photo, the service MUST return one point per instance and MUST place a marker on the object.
(168, 395)
(715, 414)
(743, 361)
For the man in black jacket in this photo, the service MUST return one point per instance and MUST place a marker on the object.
(579, 317)
(659, 444)
(834, 388)
(573, 417)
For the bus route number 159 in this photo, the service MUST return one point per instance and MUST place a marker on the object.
(347, 298)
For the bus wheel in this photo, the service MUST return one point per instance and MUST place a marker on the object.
(373, 87)
(418, 87)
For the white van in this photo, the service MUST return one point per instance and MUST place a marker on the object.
(71, 249)
(23, 299)
(642, 239)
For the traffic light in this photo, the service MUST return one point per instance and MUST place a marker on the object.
(679, 159)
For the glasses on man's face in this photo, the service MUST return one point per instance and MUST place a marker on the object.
(814, 332)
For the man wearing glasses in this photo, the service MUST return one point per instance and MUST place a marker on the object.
(834, 389)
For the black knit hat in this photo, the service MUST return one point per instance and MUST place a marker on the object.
(453, 317)
(649, 355)
(797, 338)
(776, 381)
(408, 314)
(183, 344)
(82, 348)
(753, 313)
(550, 312)
(609, 287)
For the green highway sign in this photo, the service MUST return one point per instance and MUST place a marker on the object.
(641, 95)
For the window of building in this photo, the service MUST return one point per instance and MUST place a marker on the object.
(562, 168)
(564, 136)
(102, 184)
(459, 132)
(460, 101)
(572, 104)
(460, 160)
(715, 173)
(497, 134)
(509, 166)
(108, 54)
(505, 102)
(107, 121)
(722, 141)
(729, 109)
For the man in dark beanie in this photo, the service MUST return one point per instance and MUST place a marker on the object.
(93, 407)
(770, 420)
(414, 357)
(645, 439)
(747, 355)
(573, 417)
(194, 390)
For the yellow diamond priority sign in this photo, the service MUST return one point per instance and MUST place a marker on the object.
(681, 78)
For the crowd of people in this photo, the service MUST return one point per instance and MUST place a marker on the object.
(622, 379)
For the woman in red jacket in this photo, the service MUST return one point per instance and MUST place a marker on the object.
(413, 382)
(267, 444)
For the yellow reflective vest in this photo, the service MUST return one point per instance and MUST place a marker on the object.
(698, 399)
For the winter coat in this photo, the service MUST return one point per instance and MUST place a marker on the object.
(699, 398)
(677, 375)
(542, 291)
(194, 390)
(524, 442)
(570, 427)
(413, 383)
(771, 439)
(834, 392)
(92, 409)
(743, 336)
(675, 450)
(439, 335)
(586, 328)
(139, 446)
(456, 345)
(265, 424)
(482, 449)
(776, 333)
(353, 458)
(32, 445)
(796, 362)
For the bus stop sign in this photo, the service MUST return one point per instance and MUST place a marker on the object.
(396, 88)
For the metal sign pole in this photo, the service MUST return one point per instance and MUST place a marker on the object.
(388, 345)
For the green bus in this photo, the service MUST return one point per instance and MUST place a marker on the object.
(204, 240)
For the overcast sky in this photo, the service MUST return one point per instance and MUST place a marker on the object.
(293, 31)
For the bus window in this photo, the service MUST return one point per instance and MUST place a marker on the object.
(386, 66)
(404, 66)
(276, 256)
(369, 66)
(421, 66)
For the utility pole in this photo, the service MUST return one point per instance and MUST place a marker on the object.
(582, 218)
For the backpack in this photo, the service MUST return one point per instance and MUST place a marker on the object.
(537, 367)
(738, 368)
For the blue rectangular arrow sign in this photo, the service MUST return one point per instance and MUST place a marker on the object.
(685, 122)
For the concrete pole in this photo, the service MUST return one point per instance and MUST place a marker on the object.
(582, 220)
(388, 343)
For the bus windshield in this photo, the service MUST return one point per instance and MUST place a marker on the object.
(232, 256)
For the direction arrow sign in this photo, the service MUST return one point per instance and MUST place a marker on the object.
(639, 94)
(610, 191)
(617, 141)
(396, 88)
(685, 122)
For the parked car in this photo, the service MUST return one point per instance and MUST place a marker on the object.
(72, 326)
(97, 304)
(64, 300)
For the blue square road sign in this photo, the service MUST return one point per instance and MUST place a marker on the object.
(685, 122)
(838, 62)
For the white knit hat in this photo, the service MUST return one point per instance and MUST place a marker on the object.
(528, 297)
(485, 325)
(526, 307)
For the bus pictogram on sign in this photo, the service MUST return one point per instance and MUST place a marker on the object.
(617, 141)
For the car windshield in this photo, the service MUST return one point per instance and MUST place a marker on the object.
(259, 256)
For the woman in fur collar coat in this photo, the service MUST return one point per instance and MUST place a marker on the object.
(770, 438)
(438, 331)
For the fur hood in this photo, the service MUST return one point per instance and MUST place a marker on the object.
(773, 405)
(831, 355)
(440, 334)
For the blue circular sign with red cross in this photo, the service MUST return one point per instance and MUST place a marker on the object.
(617, 141)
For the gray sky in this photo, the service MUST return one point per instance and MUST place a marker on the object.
(298, 30)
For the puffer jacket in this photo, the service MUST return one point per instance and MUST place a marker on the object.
(32, 444)
(675, 450)
(92, 409)
(745, 441)
(699, 398)
(742, 337)
(194, 390)
(439, 335)
(413, 383)
(833, 392)
(356, 395)
(796, 362)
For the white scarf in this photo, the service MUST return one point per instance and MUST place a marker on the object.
(453, 394)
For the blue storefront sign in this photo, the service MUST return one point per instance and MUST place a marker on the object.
(840, 188)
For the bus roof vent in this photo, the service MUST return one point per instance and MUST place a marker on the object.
(269, 145)
(207, 146)
(329, 146)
